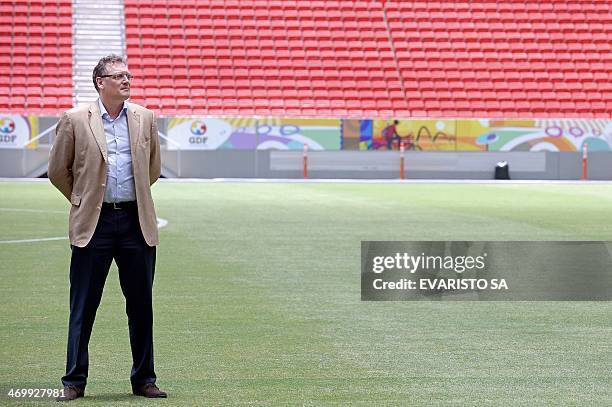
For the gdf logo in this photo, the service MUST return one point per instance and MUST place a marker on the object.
(7, 128)
(198, 129)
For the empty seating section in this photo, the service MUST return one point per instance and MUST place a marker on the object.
(299, 58)
(329, 58)
(373, 58)
(36, 50)
(504, 58)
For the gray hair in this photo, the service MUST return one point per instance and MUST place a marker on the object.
(100, 69)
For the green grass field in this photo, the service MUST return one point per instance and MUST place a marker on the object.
(257, 299)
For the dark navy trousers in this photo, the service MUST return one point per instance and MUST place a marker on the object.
(117, 236)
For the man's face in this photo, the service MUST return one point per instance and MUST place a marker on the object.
(115, 87)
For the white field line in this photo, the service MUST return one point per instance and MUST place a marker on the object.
(43, 239)
(376, 181)
(349, 181)
(161, 223)
(30, 210)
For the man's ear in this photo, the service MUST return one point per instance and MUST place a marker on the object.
(100, 82)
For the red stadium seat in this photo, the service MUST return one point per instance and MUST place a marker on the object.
(320, 58)
(32, 47)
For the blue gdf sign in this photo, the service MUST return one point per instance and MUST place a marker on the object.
(7, 130)
(15, 131)
(198, 131)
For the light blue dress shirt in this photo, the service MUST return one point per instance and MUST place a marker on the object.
(119, 177)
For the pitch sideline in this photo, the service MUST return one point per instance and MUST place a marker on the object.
(161, 223)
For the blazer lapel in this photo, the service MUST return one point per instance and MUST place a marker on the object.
(133, 120)
(97, 128)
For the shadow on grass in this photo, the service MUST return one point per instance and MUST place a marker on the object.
(109, 397)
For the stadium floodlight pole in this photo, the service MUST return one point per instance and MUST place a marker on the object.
(585, 161)
(305, 161)
(402, 175)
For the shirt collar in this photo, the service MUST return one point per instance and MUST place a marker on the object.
(104, 112)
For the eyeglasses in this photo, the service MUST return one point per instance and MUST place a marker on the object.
(119, 76)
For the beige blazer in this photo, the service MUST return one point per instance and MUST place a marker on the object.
(78, 162)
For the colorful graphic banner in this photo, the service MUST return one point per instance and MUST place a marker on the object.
(544, 135)
(16, 131)
(566, 135)
(484, 135)
(252, 134)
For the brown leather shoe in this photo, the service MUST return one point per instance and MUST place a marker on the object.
(71, 393)
(149, 390)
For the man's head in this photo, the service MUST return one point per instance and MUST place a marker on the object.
(112, 79)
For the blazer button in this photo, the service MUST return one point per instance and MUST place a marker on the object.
(103, 185)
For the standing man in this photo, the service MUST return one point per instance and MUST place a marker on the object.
(104, 160)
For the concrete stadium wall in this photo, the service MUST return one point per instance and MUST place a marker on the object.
(347, 164)
(385, 164)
